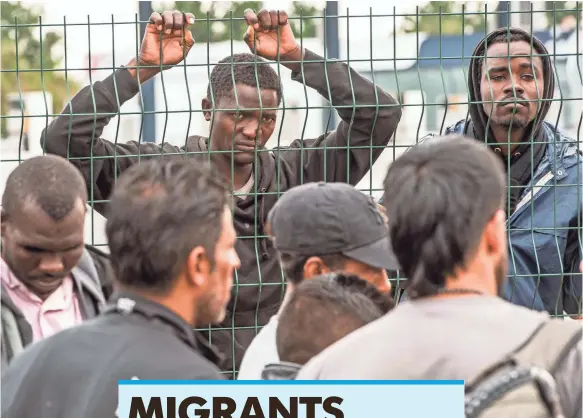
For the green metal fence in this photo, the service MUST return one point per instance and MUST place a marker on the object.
(426, 72)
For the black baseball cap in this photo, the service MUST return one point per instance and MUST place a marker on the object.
(331, 218)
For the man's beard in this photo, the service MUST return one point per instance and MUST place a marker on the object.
(209, 311)
(513, 124)
(500, 276)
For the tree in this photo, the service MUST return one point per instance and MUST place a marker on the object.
(561, 10)
(219, 27)
(31, 54)
(430, 22)
(310, 19)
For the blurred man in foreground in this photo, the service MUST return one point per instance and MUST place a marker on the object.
(50, 279)
(173, 265)
(319, 228)
(454, 326)
(320, 312)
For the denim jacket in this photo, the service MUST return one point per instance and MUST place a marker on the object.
(541, 275)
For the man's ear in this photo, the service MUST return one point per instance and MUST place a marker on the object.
(207, 108)
(495, 233)
(197, 266)
(314, 266)
(3, 222)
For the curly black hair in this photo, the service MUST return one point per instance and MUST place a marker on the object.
(355, 284)
(246, 69)
(324, 309)
(49, 181)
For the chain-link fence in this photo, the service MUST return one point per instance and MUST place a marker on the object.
(422, 58)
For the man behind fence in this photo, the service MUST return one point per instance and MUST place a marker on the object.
(510, 98)
(236, 142)
(455, 326)
(162, 293)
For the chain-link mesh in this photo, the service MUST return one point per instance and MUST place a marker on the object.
(427, 73)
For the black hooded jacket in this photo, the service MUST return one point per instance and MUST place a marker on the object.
(343, 155)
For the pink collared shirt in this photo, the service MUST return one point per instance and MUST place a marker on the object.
(59, 311)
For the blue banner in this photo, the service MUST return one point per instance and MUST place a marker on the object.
(291, 399)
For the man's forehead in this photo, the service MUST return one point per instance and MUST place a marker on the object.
(248, 97)
(48, 238)
(513, 50)
(31, 221)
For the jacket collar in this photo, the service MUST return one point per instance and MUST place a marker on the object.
(86, 279)
(126, 303)
(559, 147)
(280, 371)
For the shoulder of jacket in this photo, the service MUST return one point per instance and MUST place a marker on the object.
(553, 131)
(96, 272)
(87, 263)
(456, 129)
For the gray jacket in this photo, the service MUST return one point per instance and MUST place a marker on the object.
(450, 339)
(89, 278)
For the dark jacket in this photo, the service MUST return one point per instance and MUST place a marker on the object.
(91, 281)
(357, 142)
(75, 373)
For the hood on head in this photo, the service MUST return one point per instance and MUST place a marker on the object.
(477, 114)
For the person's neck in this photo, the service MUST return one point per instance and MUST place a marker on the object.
(174, 302)
(235, 175)
(468, 284)
(501, 136)
(289, 290)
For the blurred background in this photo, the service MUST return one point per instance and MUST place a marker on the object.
(417, 51)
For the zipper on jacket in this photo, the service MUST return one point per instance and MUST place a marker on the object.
(263, 240)
(532, 193)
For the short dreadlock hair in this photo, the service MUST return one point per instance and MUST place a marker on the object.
(242, 70)
(323, 310)
(49, 181)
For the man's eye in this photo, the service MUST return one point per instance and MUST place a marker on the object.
(32, 249)
(267, 119)
(528, 77)
(497, 78)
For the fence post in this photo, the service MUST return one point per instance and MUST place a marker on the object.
(333, 52)
(148, 91)
(503, 20)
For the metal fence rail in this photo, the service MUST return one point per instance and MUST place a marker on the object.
(426, 72)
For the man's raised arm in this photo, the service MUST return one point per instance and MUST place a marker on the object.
(76, 132)
(369, 114)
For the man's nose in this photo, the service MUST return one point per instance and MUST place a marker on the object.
(250, 129)
(514, 88)
(51, 264)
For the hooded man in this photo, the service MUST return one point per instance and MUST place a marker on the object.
(511, 86)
